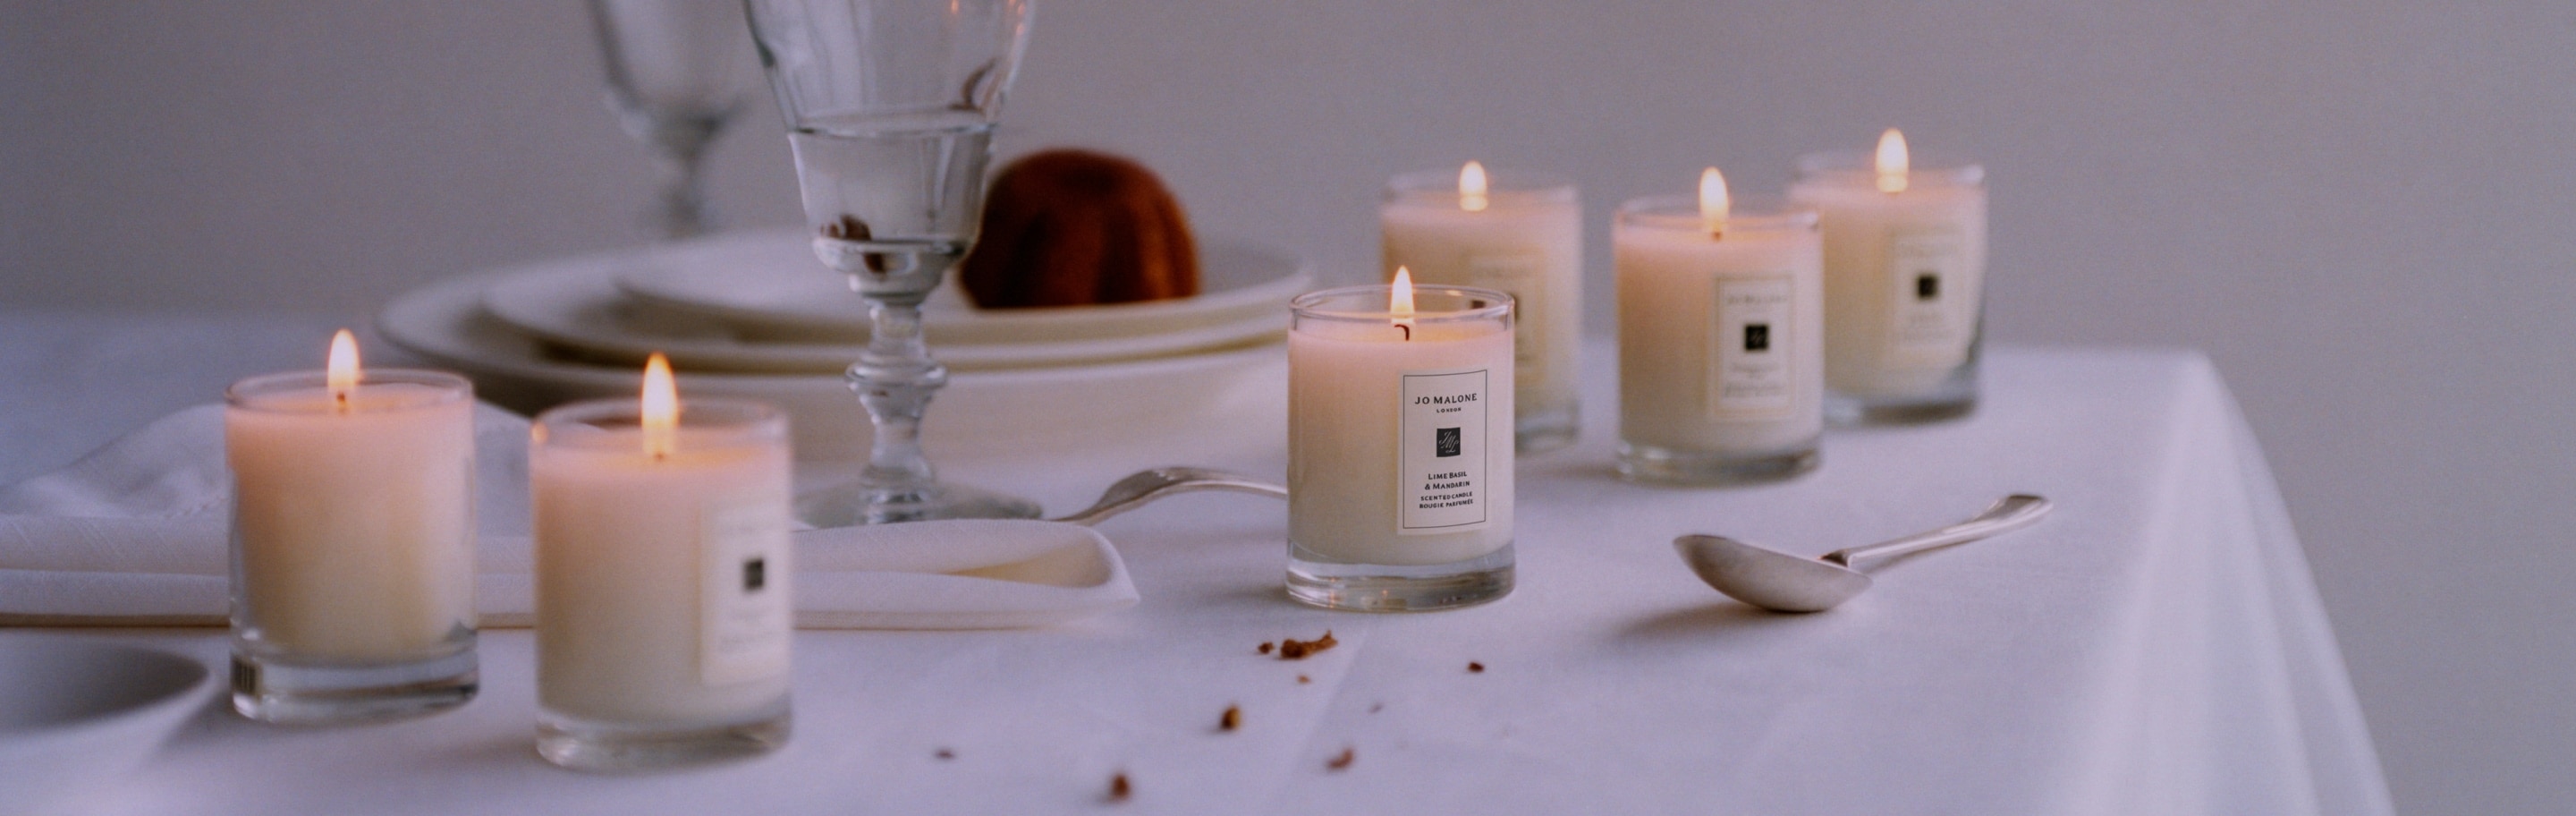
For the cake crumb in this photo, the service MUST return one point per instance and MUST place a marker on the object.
(944, 753)
(1474, 667)
(1302, 679)
(1294, 649)
(1376, 707)
(1265, 647)
(1344, 759)
(1119, 789)
(1233, 718)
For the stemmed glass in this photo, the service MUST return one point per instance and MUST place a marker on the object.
(890, 107)
(677, 71)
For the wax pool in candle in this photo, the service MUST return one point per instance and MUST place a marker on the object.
(664, 595)
(1518, 233)
(1721, 342)
(1904, 274)
(1399, 434)
(353, 517)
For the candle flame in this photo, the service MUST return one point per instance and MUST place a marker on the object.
(1713, 201)
(1893, 164)
(1472, 187)
(340, 375)
(661, 408)
(1399, 301)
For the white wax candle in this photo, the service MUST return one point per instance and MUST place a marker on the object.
(1523, 236)
(353, 514)
(1904, 272)
(663, 576)
(1721, 337)
(1400, 434)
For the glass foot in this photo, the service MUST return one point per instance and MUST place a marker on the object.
(851, 504)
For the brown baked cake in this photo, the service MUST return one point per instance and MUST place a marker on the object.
(1074, 227)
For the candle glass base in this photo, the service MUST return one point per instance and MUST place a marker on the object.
(588, 745)
(1667, 466)
(1545, 428)
(290, 690)
(1953, 397)
(1351, 587)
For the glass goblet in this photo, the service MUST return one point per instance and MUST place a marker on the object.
(890, 107)
(678, 70)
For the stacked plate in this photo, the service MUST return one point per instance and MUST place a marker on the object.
(754, 314)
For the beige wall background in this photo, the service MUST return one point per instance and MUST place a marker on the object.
(2362, 210)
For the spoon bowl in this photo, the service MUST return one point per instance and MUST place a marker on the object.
(1781, 582)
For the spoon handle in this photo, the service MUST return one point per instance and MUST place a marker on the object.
(2007, 514)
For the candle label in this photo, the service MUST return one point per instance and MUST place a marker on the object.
(1931, 297)
(1750, 334)
(1442, 486)
(1517, 274)
(746, 615)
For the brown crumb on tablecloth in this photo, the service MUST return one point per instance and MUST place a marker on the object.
(1376, 707)
(1233, 718)
(1474, 667)
(1294, 649)
(944, 753)
(1344, 759)
(1119, 789)
(1302, 679)
(1265, 647)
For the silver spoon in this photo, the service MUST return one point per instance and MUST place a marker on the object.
(1781, 582)
(1147, 485)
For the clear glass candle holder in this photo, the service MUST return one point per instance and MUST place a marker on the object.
(1721, 342)
(665, 611)
(1904, 285)
(1522, 236)
(352, 545)
(1400, 449)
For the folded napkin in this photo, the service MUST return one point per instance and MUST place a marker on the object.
(135, 534)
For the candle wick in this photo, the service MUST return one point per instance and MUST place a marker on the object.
(341, 400)
(1408, 330)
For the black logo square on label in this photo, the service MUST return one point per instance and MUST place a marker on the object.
(1927, 286)
(755, 574)
(1757, 337)
(1448, 442)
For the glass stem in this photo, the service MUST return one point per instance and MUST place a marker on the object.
(895, 379)
(682, 211)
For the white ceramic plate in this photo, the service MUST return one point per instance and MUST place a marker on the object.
(1025, 413)
(574, 304)
(76, 713)
(768, 286)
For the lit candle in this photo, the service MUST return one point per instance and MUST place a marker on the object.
(1721, 338)
(1905, 268)
(663, 567)
(1400, 446)
(353, 540)
(1518, 233)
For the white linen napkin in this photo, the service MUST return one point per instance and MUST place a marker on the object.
(135, 534)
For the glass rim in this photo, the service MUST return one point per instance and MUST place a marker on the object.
(450, 387)
(1505, 184)
(1928, 168)
(1764, 212)
(1481, 304)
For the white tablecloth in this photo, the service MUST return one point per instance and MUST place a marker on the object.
(2154, 647)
